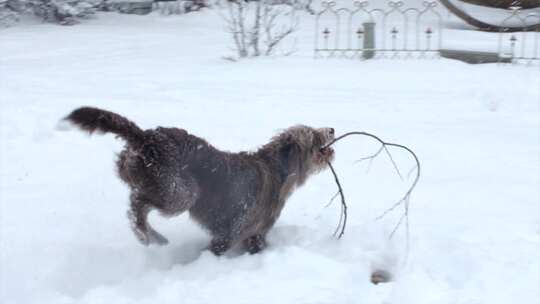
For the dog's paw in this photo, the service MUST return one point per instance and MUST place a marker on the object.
(142, 237)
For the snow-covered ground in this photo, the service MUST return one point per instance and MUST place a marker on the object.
(64, 236)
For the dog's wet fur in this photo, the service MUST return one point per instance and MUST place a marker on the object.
(237, 197)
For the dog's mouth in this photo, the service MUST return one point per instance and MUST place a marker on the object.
(326, 151)
(324, 155)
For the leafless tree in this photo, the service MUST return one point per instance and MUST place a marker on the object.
(259, 27)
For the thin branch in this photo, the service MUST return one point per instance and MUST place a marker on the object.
(410, 172)
(398, 224)
(371, 157)
(292, 49)
(256, 30)
(233, 28)
(331, 200)
(393, 162)
(340, 221)
(404, 200)
(273, 39)
(340, 228)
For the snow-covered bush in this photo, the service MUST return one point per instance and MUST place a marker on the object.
(170, 7)
(62, 11)
(9, 13)
(57, 11)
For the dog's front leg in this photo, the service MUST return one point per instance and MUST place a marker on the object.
(255, 244)
(219, 245)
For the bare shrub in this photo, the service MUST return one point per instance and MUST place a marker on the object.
(259, 27)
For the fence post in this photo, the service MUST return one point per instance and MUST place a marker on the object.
(369, 40)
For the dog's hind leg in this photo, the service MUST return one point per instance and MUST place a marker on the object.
(137, 217)
(138, 214)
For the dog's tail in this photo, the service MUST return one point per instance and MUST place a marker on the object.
(93, 119)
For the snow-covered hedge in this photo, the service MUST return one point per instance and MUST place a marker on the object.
(62, 11)
(69, 12)
(57, 11)
(9, 14)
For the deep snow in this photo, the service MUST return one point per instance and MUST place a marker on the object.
(64, 236)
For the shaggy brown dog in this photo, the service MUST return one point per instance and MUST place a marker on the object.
(236, 196)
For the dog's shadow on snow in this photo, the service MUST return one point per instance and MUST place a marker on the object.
(89, 268)
(86, 269)
(166, 257)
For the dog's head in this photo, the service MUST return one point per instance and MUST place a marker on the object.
(302, 151)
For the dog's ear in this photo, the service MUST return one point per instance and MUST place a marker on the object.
(288, 156)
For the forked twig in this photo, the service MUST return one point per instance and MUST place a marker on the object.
(403, 201)
(332, 199)
(343, 216)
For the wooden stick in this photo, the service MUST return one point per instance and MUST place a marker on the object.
(340, 230)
